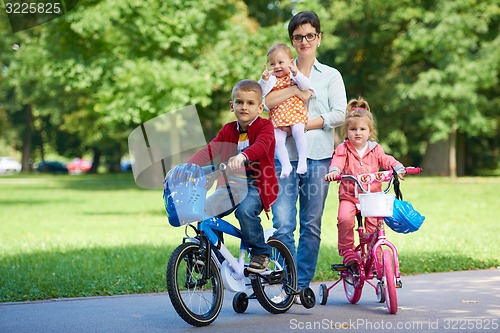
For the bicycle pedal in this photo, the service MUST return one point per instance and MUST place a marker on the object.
(399, 284)
(339, 267)
(277, 277)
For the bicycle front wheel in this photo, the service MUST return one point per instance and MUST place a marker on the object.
(392, 298)
(276, 289)
(197, 300)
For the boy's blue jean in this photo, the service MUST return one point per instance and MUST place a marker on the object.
(247, 211)
(311, 190)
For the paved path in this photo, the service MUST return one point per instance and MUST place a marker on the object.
(437, 302)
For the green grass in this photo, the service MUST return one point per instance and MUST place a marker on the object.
(68, 236)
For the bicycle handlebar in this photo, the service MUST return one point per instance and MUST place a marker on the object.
(413, 170)
(208, 169)
(380, 176)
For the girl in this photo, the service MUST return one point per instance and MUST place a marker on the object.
(359, 153)
(290, 113)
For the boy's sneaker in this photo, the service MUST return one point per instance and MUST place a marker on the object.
(259, 263)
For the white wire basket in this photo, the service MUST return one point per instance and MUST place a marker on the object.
(376, 204)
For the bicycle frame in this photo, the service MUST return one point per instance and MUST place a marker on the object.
(372, 262)
(206, 229)
(371, 248)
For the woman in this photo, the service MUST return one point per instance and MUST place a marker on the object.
(326, 111)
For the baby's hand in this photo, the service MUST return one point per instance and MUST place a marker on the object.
(266, 74)
(330, 177)
(293, 69)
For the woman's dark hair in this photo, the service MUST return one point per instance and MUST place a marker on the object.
(304, 18)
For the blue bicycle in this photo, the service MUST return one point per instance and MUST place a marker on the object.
(200, 268)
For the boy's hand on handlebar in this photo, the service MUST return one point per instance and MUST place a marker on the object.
(236, 162)
(330, 177)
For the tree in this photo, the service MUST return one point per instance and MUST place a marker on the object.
(429, 69)
(448, 68)
(108, 67)
(426, 67)
(22, 66)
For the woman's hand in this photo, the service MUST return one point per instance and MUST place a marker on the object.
(304, 95)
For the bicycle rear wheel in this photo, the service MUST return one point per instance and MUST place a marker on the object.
(275, 291)
(392, 298)
(353, 283)
(197, 300)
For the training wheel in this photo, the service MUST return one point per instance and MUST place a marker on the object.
(307, 298)
(240, 302)
(323, 293)
(380, 292)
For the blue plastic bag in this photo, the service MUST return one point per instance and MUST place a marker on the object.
(405, 218)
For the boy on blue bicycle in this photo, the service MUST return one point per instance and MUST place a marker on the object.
(247, 145)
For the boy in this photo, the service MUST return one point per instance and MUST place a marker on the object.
(247, 145)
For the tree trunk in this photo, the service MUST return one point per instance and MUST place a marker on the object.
(96, 160)
(453, 153)
(28, 138)
(461, 155)
(436, 159)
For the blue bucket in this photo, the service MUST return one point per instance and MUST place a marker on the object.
(184, 204)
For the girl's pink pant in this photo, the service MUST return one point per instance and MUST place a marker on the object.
(346, 220)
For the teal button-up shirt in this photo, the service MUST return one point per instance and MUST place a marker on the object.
(330, 102)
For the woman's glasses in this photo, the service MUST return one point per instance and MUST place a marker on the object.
(309, 37)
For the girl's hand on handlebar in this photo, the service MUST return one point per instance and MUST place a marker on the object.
(401, 173)
(330, 177)
(236, 162)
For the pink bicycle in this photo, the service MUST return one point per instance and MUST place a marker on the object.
(379, 257)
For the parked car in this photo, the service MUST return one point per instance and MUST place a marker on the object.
(79, 165)
(51, 167)
(9, 165)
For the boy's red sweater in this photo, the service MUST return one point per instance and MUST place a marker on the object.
(260, 155)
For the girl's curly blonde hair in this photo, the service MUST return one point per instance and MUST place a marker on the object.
(356, 109)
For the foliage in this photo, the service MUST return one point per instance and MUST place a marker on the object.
(453, 52)
(427, 67)
(107, 67)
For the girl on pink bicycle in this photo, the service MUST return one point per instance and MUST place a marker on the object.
(358, 154)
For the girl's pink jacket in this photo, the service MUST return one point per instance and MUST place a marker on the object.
(346, 160)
